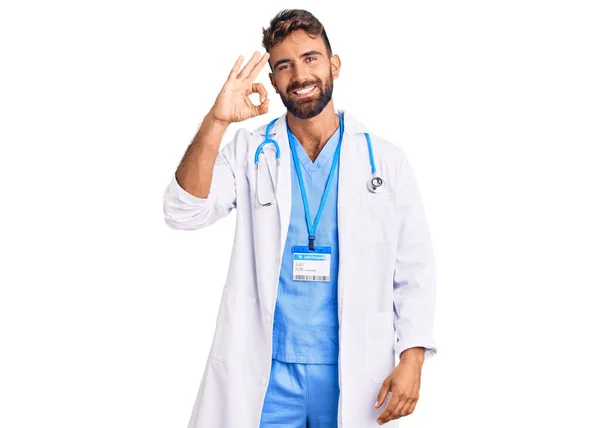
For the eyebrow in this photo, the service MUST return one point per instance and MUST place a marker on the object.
(282, 61)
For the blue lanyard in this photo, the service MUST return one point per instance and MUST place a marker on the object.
(312, 227)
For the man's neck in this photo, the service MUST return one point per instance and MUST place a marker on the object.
(314, 133)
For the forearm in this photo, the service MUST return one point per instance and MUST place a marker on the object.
(195, 170)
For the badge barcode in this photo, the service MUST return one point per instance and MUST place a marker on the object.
(311, 278)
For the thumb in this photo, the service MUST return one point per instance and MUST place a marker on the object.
(262, 108)
(383, 392)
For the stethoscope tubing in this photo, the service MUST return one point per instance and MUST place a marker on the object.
(375, 183)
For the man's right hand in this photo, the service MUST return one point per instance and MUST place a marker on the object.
(233, 102)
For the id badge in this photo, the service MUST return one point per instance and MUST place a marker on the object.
(311, 265)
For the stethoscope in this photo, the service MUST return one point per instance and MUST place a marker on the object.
(375, 184)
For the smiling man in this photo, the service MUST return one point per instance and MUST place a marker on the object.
(332, 272)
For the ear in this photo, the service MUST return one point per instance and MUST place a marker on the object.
(272, 79)
(336, 64)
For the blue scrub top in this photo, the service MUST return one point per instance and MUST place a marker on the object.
(305, 325)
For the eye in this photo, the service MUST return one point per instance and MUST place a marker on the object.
(283, 67)
(312, 57)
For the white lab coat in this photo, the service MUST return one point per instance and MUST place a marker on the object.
(386, 283)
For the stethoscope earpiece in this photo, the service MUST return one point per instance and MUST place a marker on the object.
(375, 184)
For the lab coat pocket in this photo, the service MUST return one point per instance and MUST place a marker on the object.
(374, 218)
(231, 338)
(379, 345)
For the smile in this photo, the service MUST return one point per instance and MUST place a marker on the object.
(305, 91)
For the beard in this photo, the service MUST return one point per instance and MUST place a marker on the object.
(306, 108)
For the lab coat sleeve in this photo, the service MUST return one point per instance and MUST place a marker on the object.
(184, 211)
(415, 273)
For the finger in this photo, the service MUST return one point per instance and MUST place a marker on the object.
(262, 108)
(383, 392)
(401, 408)
(406, 409)
(259, 88)
(236, 67)
(251, 62)
(412, 407)
(411, 402)
(389, 409)
(259, 66)
(392, 414)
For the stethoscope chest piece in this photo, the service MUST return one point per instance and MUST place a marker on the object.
(375, 184)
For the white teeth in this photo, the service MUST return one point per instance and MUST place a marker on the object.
(304, 91)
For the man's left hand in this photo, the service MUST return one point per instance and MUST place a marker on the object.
(404, 383)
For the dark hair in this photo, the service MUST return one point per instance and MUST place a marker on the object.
(289, 20)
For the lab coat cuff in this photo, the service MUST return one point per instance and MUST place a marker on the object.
(183, 195)
(429, 345)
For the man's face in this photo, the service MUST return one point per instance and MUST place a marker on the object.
(303, 73)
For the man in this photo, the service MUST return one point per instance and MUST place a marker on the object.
(320, 279)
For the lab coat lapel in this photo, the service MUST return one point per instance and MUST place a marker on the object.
(284, 186)
(352, 162)
(345, 181)
(348, 187)
(345, 187)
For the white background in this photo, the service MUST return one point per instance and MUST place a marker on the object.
(107, 315)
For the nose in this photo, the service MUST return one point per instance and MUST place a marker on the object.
(301, 72)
